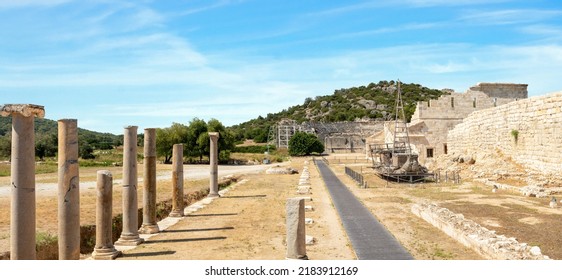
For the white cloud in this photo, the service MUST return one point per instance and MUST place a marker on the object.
(30, 3)
(504, 17)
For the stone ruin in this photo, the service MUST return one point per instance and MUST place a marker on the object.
(23, 206)
(482, 240)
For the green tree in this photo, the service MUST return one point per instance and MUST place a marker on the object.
(167, 137)
(46, 145)
(6, 145)
(302, 144)
(225, 142)
(164, 144)
(196, 128)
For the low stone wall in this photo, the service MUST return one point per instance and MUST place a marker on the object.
(528, 131)
(476, 237)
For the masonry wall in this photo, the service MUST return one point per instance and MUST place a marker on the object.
(538, 122)
(502, 90)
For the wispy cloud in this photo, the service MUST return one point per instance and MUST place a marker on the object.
(504, 17)
(215, 5)
(4, 4)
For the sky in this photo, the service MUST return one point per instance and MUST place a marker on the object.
(115, 63)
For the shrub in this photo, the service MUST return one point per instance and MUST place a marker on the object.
(302, 144)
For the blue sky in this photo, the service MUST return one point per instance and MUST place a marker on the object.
(114, 63)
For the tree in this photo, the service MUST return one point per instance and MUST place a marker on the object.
(164, 144)
(6, 145)
(302, 144)
(46, 145)
(167, 137)
(196, 128)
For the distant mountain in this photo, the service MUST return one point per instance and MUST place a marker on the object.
(374, 101)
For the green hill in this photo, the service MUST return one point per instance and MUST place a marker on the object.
(374, 101)
(46, 139)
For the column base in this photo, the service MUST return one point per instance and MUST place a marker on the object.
(213, 195)
(299, 258)
(129, 240)
(176, 214)
(149, 229)
(106, 254)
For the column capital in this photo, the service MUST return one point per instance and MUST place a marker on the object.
(214, 135)
(27, 110)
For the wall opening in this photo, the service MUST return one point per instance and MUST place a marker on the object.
(429, 153)
(474, 102)
(495, 101)
(452, 102)
(445, 148)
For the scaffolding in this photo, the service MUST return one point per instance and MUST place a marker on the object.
(397, 162)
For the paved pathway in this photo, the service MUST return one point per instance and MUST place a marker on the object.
(370, 239)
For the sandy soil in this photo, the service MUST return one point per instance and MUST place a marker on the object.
(196, 178)
(248, 223)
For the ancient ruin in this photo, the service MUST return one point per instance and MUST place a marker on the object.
(177, 181)
(104, 249)
(149, 225)
(296, 231)
(338, 137)
(130, 233)
(433, 120)
(68, 191)
(22, 229)
(214, 155)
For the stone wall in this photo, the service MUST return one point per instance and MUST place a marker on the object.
(482, 240)
(433, 119)
(502, 90)
(529, 131)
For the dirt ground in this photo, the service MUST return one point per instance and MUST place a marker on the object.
(248, 222)
(529, 219)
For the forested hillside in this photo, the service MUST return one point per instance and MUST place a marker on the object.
(46, 139)
(374, 101)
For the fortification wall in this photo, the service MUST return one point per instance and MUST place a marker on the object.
(502, 90)
(456, 106)
(529, 131)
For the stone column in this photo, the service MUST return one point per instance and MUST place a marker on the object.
(22, 225)
(213, 158)
(149, 225)
(104, 249)
(130, 233)
(296, 234)
(68, 191)
(177, 181)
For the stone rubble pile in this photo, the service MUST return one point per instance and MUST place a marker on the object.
(469, 233)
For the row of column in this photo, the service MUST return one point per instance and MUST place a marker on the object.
(23, 202)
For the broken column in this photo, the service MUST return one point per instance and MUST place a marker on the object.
(213, 159)
(177, 181)
(130, 233)
(104, 249)
(296, 234)
(68, 191)
(149, 223)
(22, 220)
